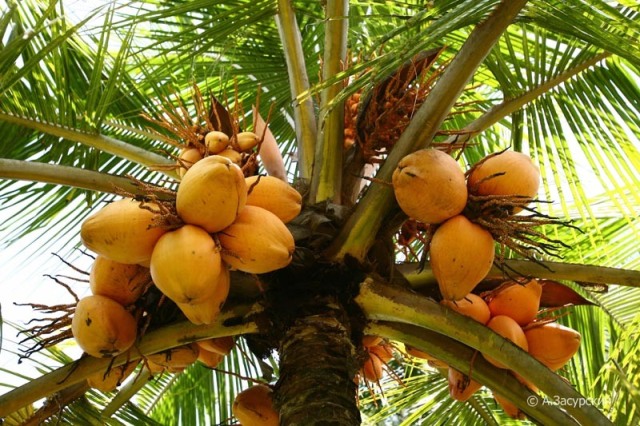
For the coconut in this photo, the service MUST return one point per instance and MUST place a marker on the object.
(552, 344)
(257, 242)
(206, 311)
(188, 157)
(245, 141)
(507, 173)
(429, 186)
(433, 362)
(118, 281)
(176, 358)
(216, 142)
(368, 341)
(461, 256)
(107, 381)
(518, 301)
(102, 327)
(210, 359)
(234, 156)
(274, 195)
(254, 406)
(372, 369)
(472, 306)
(510, 330)
(186, 265)
(461, 387)
(220, 345)
(384, 352)
(211, 194)
(123, 231)
(508, 407)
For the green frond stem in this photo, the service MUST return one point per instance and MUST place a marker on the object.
(326, 182)
(152, 342)
(304, 116)
(97, 141)
(73, 176)
(127, 392)
(509, 106)
(359, 232)
(468, 361)
(382, 302)
(591, 274)
(51, 408)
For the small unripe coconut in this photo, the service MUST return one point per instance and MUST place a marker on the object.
(118, 281)
(461, 387)
(553, 344)
(274, 195)
(207, 310)
(461, 255)
(107, 381)
(231, 154)
(122, 231)
(508, 173)
(372, 369)
(186, 265)
(254, 406)
(220, 345)
(510, 330)
(102, 327)
(429, 186)
(257, 242)
(187, 158)
(472, 306)
(210, 359)
(216, 142)
(245, 141)
(211, 194)
(508, 407)
(384, 352)
(518, 301)
(176, 358)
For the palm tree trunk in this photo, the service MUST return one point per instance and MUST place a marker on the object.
(317, 368)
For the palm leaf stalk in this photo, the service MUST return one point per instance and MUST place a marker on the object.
(360, 231)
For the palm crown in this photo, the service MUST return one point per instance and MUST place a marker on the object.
(554, 79)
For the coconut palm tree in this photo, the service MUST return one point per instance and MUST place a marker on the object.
(89, 110)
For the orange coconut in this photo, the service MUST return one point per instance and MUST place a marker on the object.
(210, 359)
(508, 407)
(510, 330)
(234, 156)
(216, 142)
(433, 362)
(123, 231)
(206, 311)
(429, 186)
(461, 387)
(102, 327)
(553, 344)
(508, 173)
(176, 358)
(254, 406)
(368, 340)
(518, 301)
(107, 381)
(472, 306)
(118, 281)
(187, 158)
(461, 256)
(372, 369)
(220, 345)
(211, 194)
(186, 265)
(274, 195)
(384, 352)
(257, 242)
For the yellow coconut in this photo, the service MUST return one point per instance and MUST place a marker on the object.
(122, 231)
(231, 154)
(552, 344)
(118, 281)
(429, 186)
(519, 301)
(220, 345)
(508, 173)
(107, 381)
(472, 306)
(188, 157)
(461, 255)
(274, 195)
(216, 142)
(254, 407)
(245, 141)
(257, 242)
(211, 194)
(461, 387)
(207, 310)
(186, 265)
(102, 327)
(176, 358)
(510, 330)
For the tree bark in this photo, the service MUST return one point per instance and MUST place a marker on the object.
(317, 368)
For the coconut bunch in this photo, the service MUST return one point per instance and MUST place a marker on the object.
(465, 213)
(378, 353)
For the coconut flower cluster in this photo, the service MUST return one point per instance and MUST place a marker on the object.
(430, 187)
(220, 221)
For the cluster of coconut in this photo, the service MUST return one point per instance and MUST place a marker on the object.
(431, 187)
(378, 353)
(512, 311)
(219, 221)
